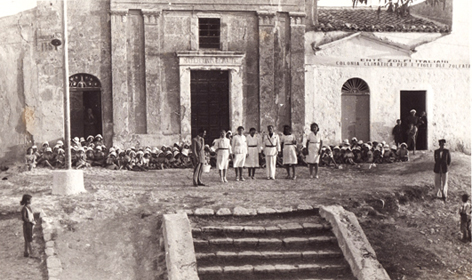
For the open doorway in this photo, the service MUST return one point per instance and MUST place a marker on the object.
(414, 99)
(210, 102)
(85, 105)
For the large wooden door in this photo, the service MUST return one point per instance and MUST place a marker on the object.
(210, 102)
(355, 110)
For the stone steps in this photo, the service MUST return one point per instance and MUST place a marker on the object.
(288, 243)
(264, 247)
(262, 257)
(271, 271)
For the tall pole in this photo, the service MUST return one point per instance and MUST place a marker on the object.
(67, 137)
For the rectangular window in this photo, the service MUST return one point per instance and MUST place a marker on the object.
(209, 33)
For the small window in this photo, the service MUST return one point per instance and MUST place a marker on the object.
(209, 33)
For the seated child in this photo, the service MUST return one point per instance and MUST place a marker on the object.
(139, 162)
(46, 159)
(111, 161)
(357, 154)
(60, 160)
(338, 158)
(99, 156)
(388, 156)
(367, 154)
(348, 156)
(81, 158)
(378, 153)
(327, 156)
(30, 159)
(402, 153)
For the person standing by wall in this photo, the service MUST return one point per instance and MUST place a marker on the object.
(398, 133)
(254, 149)
(239, 148)
(442, 160)
(28, 223)
(314, 144)
(198, 146)
(271, 144)
(412, 133)
(89, 123)
(422, 132)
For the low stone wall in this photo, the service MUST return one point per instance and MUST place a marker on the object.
(180, 253)
(356, 248)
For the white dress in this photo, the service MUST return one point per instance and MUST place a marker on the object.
(290, 151)
(314, 147)
(239, 149)
(254, 148)
(223, 150)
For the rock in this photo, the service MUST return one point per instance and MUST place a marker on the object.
(304, 207)
(53, 262)
(204, 212)
(240, 211)
(49, 251)
(223, 212)
(265, 210)
(50, 244)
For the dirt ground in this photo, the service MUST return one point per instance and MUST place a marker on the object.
(112, 231)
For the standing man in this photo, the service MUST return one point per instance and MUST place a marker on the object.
(271, 144)
(442, 159)
(198, 149)
(422, 127)
(412, 130)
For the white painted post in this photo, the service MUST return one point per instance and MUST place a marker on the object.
(66, 182)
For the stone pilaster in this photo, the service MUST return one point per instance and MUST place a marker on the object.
(267, 104)
(236, 97)
(119, 72)
(297, 73)
(185, 104)
(153, 69)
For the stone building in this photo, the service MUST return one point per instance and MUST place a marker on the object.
(152, 72)
(366, 70)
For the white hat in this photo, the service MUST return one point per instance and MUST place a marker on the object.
(48, 149)
(76, 139)
(59, 142)
(412, 110)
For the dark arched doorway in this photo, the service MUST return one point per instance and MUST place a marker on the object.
(355, 113)
(85, 95)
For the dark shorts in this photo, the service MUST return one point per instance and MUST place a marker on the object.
(28, 231)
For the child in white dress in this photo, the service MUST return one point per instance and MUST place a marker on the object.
(223, 150)
(254, 148)
(314, 144)
(239, 149)
(290, 159)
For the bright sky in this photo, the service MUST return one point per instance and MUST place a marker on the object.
(11, 7)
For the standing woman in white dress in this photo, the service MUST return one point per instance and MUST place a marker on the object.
(253, 150)
(239, 148)
(223, 150)
(289, 143)
(314, 144)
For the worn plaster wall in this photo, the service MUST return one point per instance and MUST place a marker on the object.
(32, 79)
(16, 118)
(447, 89)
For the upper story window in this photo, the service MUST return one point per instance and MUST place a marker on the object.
(209, 33)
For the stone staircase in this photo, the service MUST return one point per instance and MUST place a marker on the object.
(276, 246)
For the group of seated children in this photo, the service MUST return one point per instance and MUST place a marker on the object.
(92, 152)
(357, 151)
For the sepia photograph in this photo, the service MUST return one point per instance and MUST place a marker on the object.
(235, 140)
